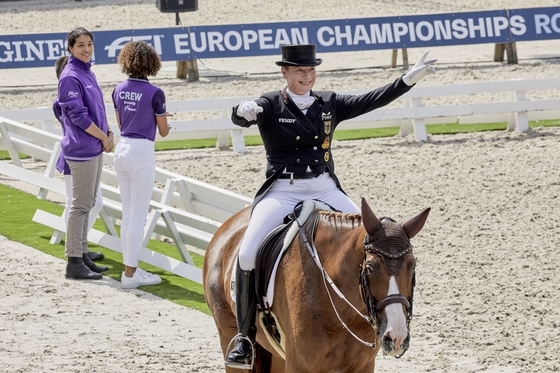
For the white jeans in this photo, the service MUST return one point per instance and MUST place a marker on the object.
(93, 212)
(136, 171)
(280, 201)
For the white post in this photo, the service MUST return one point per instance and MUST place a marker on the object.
(238, 141)
(406, 124)
(419, 124)
(521, 117)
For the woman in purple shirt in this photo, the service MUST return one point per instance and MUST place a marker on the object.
(140, 109)
(87, 135)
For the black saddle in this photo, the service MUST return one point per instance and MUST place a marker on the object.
(268, 253)
(267, 256)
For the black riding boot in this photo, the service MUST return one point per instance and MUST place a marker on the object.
(241, 355)
(91, 265)
(75, 268)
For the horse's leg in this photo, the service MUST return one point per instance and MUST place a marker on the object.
(278, 365)
(263, 360)
(226, 332)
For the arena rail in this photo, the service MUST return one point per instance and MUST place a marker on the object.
(411, 113)
(186, 211)
(189, 211)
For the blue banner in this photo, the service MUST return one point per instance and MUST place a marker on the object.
(258, 39)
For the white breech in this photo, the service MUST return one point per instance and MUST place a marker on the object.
(280, 201)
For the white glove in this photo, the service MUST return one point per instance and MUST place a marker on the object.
(249, 110)
(420, 70)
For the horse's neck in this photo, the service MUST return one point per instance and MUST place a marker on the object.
(339, 241)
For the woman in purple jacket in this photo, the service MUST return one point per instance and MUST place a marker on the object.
(140, 110)
(87, 136)
(62, 167)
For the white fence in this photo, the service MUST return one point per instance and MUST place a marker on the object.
(185, 210)
(189, 211)
(412, 112)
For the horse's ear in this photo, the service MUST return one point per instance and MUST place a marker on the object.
(370, 221)
(415, 225)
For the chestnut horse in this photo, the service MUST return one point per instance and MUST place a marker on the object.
(343, 289)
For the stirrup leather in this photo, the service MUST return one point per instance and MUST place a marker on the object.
(231, 345)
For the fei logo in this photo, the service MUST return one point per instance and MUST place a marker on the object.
(118, 44)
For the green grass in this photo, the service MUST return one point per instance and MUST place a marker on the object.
(17, 209)
(432, 129)
(16, 212)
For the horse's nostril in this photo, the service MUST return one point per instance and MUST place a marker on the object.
(387, 342)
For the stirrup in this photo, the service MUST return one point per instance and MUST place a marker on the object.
(237, 365)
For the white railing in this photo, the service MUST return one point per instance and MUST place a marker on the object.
(412, 111)
(189, 211)
(185, 210)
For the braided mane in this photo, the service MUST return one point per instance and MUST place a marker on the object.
(339, 219)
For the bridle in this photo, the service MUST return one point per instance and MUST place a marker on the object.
(391, 244)
(373, 306)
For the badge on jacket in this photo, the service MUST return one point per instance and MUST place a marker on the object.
(326, 117)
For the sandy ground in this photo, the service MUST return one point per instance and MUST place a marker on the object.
(50, 324)
(488, 284)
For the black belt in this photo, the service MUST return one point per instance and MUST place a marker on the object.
(292, 176)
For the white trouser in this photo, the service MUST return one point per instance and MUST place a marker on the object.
(280, 201)
(93, 212)
(136, 171)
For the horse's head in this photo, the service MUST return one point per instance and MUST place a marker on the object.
(387, 276)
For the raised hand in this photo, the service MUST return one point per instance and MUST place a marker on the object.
(420, 70)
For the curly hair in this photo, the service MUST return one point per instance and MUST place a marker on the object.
(139, 59)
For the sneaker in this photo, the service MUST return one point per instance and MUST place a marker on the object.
(140, 278)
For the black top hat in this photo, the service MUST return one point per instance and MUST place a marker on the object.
(299, 55)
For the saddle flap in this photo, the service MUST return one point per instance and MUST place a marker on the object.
(275, 244)
(268, 254)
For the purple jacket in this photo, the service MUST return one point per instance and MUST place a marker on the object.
(81, 103)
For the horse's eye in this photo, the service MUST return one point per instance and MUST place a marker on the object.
(372, 268)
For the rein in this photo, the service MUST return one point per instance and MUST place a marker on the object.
(326, 279)
(372, 305)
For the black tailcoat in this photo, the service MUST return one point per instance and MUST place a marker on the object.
(295, 141)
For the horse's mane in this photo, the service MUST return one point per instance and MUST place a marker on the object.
(340, 219)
